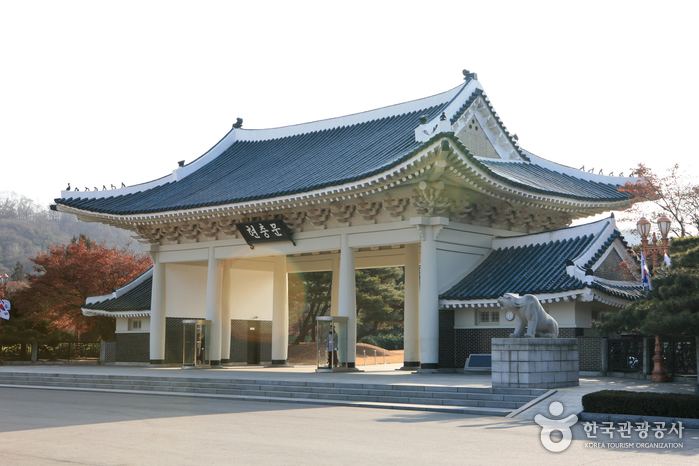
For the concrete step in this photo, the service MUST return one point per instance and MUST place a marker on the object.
(157, 379)
(102, 382)
(372, 397)
(472, 410)
(472, 400)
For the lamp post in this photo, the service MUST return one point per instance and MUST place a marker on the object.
(655, 251)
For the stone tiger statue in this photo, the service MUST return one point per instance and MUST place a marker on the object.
(529, 314)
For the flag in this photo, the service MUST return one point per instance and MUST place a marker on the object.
(645, 274)
(5, 307)
(667, 260)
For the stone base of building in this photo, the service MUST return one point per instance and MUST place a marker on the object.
(535, 362)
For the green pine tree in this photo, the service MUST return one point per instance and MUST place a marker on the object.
(672, 307)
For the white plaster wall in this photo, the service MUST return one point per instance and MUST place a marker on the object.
(564, 313)
(250, 296)
(452, 266)
(185, 290)
(583, 315)
(458, 253)
(122, 325)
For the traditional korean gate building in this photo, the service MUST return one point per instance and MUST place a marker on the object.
(436, 185)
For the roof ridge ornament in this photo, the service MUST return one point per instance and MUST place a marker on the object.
(238, 123)
(468, 75)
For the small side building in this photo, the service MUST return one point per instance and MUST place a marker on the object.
(130, 306)
(577, 273)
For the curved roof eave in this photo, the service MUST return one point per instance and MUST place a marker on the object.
(442, 99)
(375, 180)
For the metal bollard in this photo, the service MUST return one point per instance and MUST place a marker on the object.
(364, 357)
(375, 361)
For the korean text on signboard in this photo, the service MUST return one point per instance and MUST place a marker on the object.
(265, 231)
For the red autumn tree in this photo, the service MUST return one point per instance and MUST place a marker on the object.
(67, 274)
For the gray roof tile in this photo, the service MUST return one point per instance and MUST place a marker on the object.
(261, 169)
(136, 299)
(533, 269)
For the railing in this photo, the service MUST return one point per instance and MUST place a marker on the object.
(367, 358)
(68, 350)
(625, 354)
(680, 356)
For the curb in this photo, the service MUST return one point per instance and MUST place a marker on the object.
(533, 402)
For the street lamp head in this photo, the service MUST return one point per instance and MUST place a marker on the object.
(643, 226)
(664, 224)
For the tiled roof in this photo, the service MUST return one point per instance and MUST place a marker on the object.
(629, 292)
(250, 170)
(135, 299)
(534, 269)
(537, 264)
(538, 178)
(250, 165)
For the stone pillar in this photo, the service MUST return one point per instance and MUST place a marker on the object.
(428, 316)
(347, 301)
(226, 315)
(411, 334)
(646, 357)
(35, 351)
(604, 354)
(535, 362)
(157, 313)
(280, 313)
(213, 306)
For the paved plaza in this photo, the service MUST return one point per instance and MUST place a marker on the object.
(41, 426)
(47, 427)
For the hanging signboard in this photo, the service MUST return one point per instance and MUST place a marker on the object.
(265, 231)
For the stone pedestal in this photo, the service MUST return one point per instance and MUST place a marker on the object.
(535, 362)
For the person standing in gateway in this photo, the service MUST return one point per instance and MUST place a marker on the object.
(332, 350)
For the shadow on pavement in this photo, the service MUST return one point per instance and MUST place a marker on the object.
(29, 408)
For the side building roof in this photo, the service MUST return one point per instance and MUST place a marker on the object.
(555, 265)
(132, 300)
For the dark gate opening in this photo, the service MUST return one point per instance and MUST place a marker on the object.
(254, 343)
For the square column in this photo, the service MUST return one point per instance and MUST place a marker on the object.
(428, 318)
(280, 313)
(347, 300)
(214, 278)
(411, 296)
(226, 315)
(335, 287)
(157, 313)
